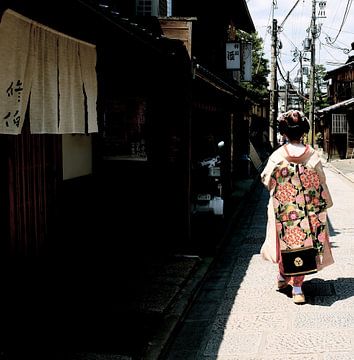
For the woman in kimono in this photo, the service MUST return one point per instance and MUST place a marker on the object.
(295, 178)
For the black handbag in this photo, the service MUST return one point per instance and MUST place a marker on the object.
(300, 261)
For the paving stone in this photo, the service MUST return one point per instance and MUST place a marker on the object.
(218, 281)
(291, 357)
(338, 356)
(202, 310)
(254, 294)
(180, 267)
(210, 295)
(259, 303)
(250, 249)
(157, 299)
(265, 357)
(162, 279)
(308, 342)
(183, 355)
(322, 320)
(264, 279)
(318, 287)
(330, 273)
(346, 303)
(257, 236)
(233, 343)
(344, 288)
(347, 270)
(257, 274)
(247, 321)
(322, 301)
(98, 356)
(192, 334)
(232, 357)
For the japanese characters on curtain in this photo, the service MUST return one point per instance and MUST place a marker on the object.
(15, 75)
(53, 73)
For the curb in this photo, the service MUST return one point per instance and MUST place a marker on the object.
(177, 313)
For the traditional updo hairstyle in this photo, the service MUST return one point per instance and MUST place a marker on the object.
(293, 124)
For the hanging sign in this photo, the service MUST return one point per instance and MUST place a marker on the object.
(246, 73)
(233, 56)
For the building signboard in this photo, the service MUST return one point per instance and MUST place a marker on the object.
(233, 56)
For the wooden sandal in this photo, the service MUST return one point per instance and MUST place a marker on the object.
(299, 298)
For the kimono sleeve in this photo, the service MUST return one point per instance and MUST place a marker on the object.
(315, 163)
(268, 170)
(325, 192)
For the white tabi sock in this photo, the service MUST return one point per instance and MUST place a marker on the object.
(297, 290)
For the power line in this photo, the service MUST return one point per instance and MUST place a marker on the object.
(290, 71)
(286, 17)
(346, 12)
(343, 31)
(325, 48)
(336, 47)
(265, 35)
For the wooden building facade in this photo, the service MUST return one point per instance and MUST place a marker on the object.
(163, 92)
(336, 122)
(90, 211)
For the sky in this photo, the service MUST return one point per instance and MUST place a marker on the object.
(293, 31)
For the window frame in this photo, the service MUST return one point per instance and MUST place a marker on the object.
(339, 124)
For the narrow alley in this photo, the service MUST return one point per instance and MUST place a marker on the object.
(240, 315)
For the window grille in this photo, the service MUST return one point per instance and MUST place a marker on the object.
(147, 7)
(339, 124)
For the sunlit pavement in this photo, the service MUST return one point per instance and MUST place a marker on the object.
(344, 167)
(239, 314)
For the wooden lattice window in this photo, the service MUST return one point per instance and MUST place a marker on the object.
(339, 124)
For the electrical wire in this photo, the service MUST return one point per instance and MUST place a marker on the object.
(289, 40)
(283, 33)
(290, 71)
(336, 47)
(346, 12)
(293, 87)
(265, 36)
(325, 48)
(286, 17)
(343, 31)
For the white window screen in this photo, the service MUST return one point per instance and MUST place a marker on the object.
(339, 124)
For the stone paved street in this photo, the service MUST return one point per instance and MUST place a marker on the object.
(240, 315)
(344, 167)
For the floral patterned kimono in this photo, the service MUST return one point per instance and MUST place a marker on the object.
(295, 182)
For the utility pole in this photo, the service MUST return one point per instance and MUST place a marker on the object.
(312, 74)
(273, 87)
(286, 102)
(301, 83)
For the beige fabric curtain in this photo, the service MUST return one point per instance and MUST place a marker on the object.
(71, 96)
(58, 74)
(15, 72)
(88, 60)
(44, 91)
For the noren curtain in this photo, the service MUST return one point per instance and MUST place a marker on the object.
(51, 72)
